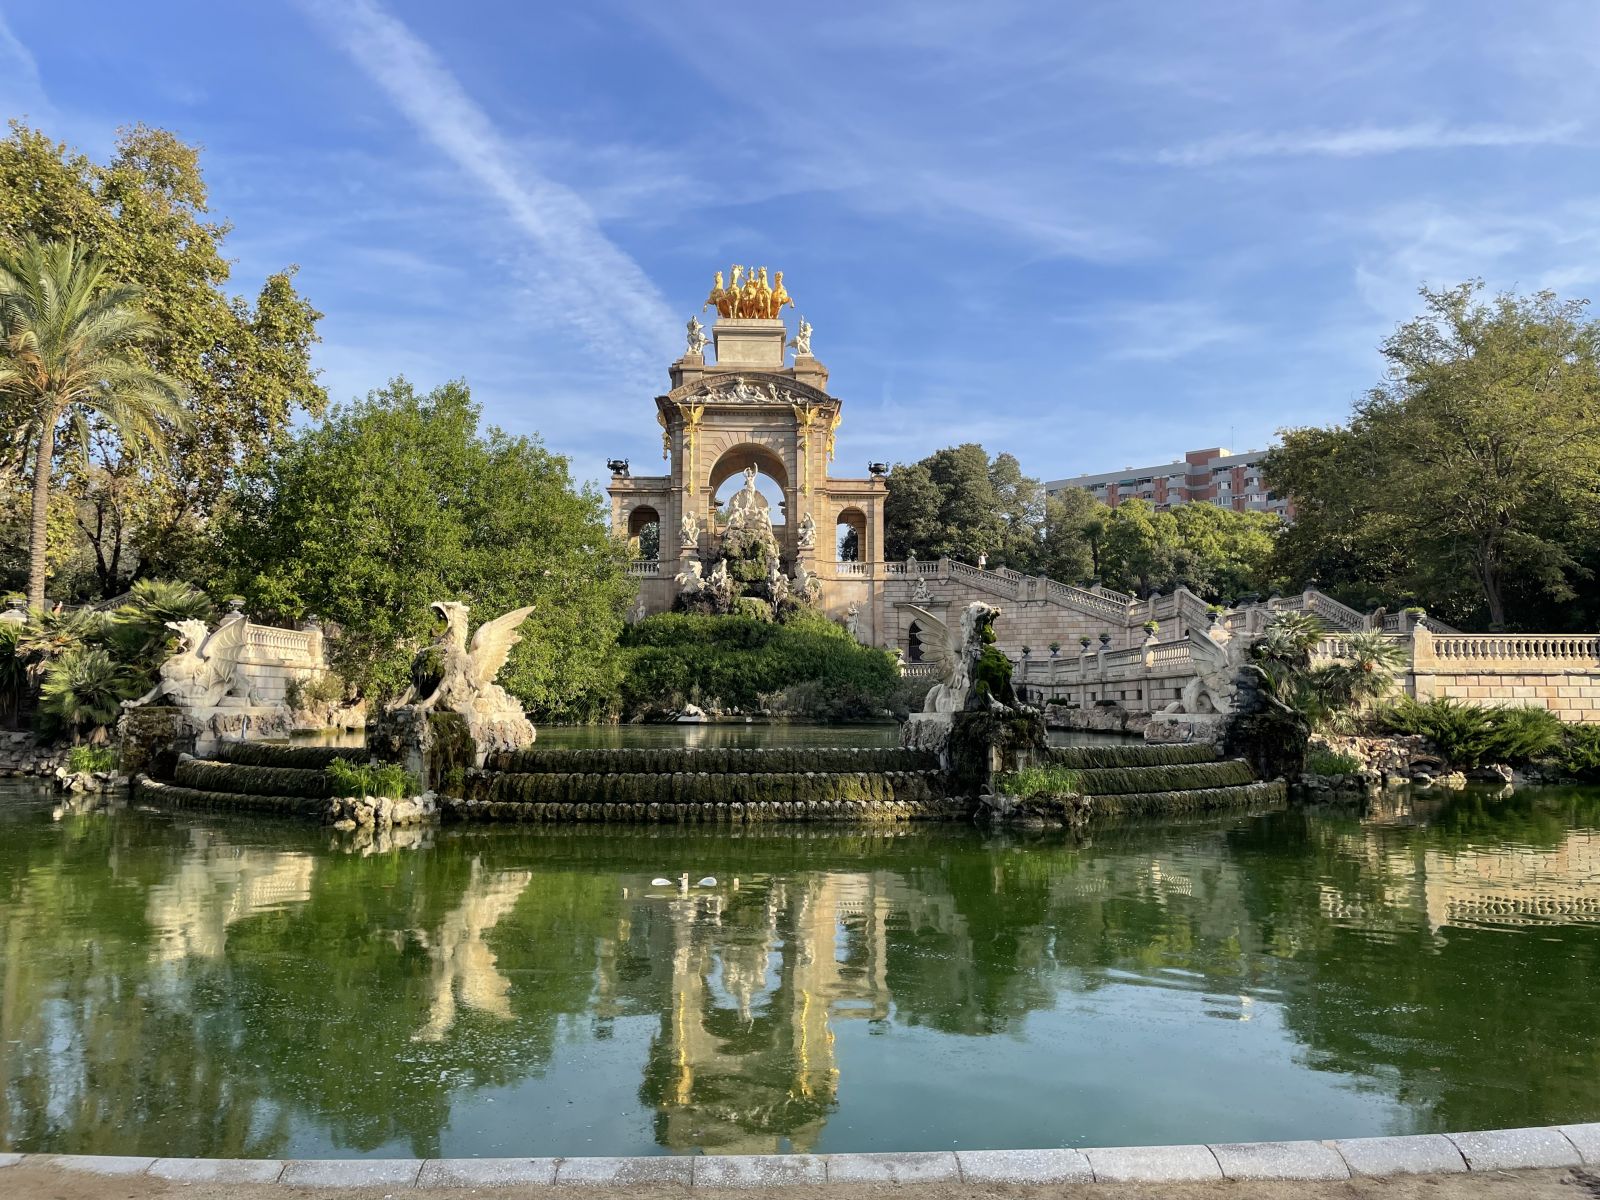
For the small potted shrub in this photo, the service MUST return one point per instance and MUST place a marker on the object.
(1055, 649)
(1027, 650)
(1151, 627)
(1084, 641)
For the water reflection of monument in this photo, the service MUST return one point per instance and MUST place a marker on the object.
(217, 885)
(744, 1060)
(1472, 885)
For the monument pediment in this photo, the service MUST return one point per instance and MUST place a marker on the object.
(749, 388)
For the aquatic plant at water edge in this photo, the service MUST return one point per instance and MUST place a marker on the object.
(83, 760)
(1046, 780)
(1332, 762)
(388, 780)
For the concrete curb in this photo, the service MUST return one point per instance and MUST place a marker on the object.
(1481, 1150)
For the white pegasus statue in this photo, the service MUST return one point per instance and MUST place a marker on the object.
(205, 670)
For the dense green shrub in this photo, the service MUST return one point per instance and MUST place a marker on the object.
(1046, 780)
(1521, 734)
(672, 659)
(1580, 751)
(83, 760)
(1468, 735)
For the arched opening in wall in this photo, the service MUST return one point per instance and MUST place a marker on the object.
(772, 477)
(851, 535)
(914, 643)
(644, 532)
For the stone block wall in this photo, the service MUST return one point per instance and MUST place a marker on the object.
(1560, 672)
(21, 755)
(1572, 696)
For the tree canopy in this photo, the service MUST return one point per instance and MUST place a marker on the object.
(396, 501)
(244, 365)
(1469, 478)
(960, 503)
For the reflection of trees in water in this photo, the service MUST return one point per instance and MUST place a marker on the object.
(204, 993)
(1408, 969)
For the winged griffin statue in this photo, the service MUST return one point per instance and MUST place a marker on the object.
(205, 670)
(960, 659)
(451, 676)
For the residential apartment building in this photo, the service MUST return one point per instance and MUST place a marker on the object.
(1213, 476)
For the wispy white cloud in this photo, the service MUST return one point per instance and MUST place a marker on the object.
(1158, 330)
(20, 83)
(1360, 142)
(568, 249)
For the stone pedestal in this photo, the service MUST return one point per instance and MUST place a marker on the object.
(754, 342)
(152, 738)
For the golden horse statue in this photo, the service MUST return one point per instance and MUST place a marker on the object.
(780, 297)
(748, 294)
(763, 296)
(718, 298)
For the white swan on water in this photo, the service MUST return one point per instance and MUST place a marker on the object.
(683, 881)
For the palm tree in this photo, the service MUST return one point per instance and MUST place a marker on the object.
(72, 347)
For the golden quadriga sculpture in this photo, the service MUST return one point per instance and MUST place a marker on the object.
(749, 294)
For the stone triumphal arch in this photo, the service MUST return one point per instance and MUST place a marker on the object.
(750, 406)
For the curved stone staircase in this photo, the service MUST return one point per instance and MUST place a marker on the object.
(253, 777)
(1133, 779)
(675, 785)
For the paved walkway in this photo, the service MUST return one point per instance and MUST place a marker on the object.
(1447, 1165)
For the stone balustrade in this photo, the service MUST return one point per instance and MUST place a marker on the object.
(645, 568)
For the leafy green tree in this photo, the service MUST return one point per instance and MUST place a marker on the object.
(1341, 536)
(396, 501)
(1020, 503)
(969, 517)
(74, 352)
(957, 503)
(1472, 472)
(910, 512)
(245, 365)
(1140, 551)
(1229, 553)
(1069, 546)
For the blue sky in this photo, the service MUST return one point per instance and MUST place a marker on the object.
(1094, 234)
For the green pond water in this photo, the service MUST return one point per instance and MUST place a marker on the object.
(205, 985)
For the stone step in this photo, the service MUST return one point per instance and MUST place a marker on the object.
(704, 813)
(695, 788)
(666, 760)
(1246, 795)
(1133, 755)
(1108, 781)
(208, 775)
